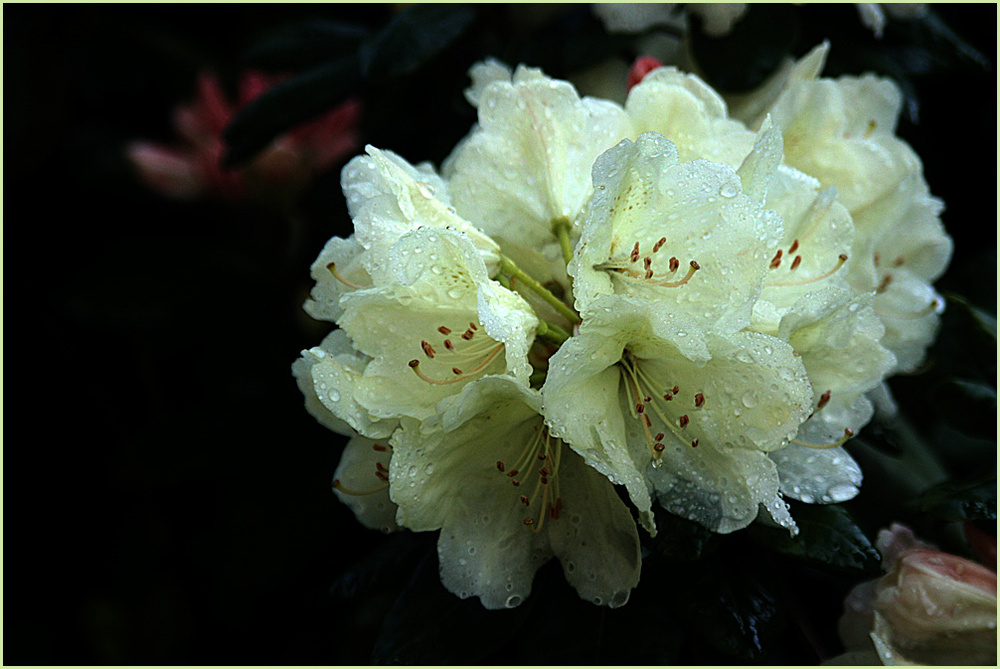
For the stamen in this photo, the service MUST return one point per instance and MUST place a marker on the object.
(448, 345)
(635, 253)
(379, 447)
(468, 334)
(699, 399)
(674, 264)
(355, 493)
(687, 277)
(898, 261)
(428, 349)
(500, 465)
(683, 421)
(472, 326)
(884, 284)
(776, 260)
(794, 247)
(444, 330)
(694, 442)
(823, 399)
(659, 244)
(796, 263)
(456, 371)
(841, 259)
(848, 433)
(333, 270)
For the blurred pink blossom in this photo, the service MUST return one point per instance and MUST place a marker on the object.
(193, 168)
(930, 607)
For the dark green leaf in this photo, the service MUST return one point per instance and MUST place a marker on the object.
(413, 37)
(429, 625)
(306, 44)
(970, 407)
(680, 539)
(731, 606)
(963, 500)
(387, 566)
(288, 104)
(757, 45)
(828, 537)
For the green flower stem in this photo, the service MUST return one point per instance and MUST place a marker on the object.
(561, 228)
(553, 333)
(508, 267)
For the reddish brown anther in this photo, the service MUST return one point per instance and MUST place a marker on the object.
(659, 244)
(428, 349)
(823, 399)
(413, 363)
(699, 399)
(796, 262)
(445, 331)
(634, 256)
(683, 421)
(674, 264)
(378, 447)
(776, 260)
(500, 465)
(694, 443)
(794, 247)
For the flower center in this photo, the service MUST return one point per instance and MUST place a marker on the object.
(381, 473)
(660, 409)
(629, 268)
(456, 357)
(537, 466)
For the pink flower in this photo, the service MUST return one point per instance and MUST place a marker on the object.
(930, 608)
(193, 169)
(642, 66)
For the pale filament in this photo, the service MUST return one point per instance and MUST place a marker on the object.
(848, 433)
(540, 457)
(340, 277)
(642, 394)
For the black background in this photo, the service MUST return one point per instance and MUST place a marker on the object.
(174, 505)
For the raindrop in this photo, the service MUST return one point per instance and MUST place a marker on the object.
(728, 189)
(334, 395)
(513, 601)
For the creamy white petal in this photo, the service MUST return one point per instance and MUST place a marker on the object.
(361, 482)
(528, 161)
(685, 110)
(335, 369)
(341, 258)
(812, 475)
(387, 198)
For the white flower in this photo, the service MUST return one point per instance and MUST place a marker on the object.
(507, 496)
(432, 322)
(681, 236)
(717, 18)
(842, 132)
(690, 421)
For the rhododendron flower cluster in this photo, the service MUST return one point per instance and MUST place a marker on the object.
(589, 299)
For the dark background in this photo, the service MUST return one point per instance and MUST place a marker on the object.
(174, 505)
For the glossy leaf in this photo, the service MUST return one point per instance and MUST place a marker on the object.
(964, 500)
(306, 44)
(287, 104)
(413, 37)
(429, 625)
(828, 537)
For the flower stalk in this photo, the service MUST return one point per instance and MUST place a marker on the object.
(508, 267)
